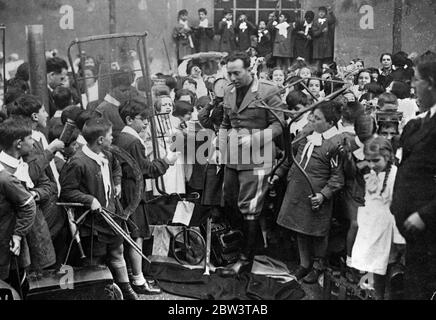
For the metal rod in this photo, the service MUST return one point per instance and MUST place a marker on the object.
(114, 225)
(155, 142)
(70, 59)
(307, 89)
(109, 36)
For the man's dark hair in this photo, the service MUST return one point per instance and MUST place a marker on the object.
(56, 65)
(96, 128)
(202, 10)
(12, 129)
(401, 89)
(323, 9)
(133, 108)
(309, 15)
(72, 113)
(17, 83)
(295, 98)
(239, 55)
(375, 88)
(182, 12)
(23, 72)
(352, 111)
(62, 97)
(181, 108)
(170, 82)
(84, 117)
(227, 11)
(26, 105)
(331, 111)
(185, 92)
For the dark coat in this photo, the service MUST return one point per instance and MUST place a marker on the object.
(303, 46)
(228, 37)
(204, 39)
(81, 182)
(45, 185)
(415, 191)
(264, 46)
(415, 185)
(181, 37)
(17, 214)
(322, 41)
(150, 170)
(284, 47)
(326, 174)
(244, 37)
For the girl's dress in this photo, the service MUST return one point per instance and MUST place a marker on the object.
(377, 228)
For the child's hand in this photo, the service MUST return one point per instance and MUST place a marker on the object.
(171, 157)
(95, 205)
(273, 180)
(317, 201)
(56, 146)
(15, 245)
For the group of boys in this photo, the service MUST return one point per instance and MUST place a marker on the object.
(32, 226)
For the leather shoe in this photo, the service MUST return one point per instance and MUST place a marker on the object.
(146, 289)
(127, 291)
(313, 276)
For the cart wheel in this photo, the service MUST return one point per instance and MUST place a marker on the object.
(189, 247)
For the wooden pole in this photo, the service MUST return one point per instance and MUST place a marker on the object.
(112, 17)
(37, 64)
(397, 26)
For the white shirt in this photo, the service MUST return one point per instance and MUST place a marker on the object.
(103, 162)
(315, 140)
(40, 137)
(21, 168)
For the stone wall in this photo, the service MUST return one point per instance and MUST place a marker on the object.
(354, 42)
(158, 17)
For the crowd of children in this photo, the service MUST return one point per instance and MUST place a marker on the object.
(348, 148)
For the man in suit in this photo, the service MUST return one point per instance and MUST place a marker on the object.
(57, 75)
(414, 198)
(246, 133)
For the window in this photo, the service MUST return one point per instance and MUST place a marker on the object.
(256, 10)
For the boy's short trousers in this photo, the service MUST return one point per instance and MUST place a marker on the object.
(101, 246)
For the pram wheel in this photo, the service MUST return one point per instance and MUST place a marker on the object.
(189, 247)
